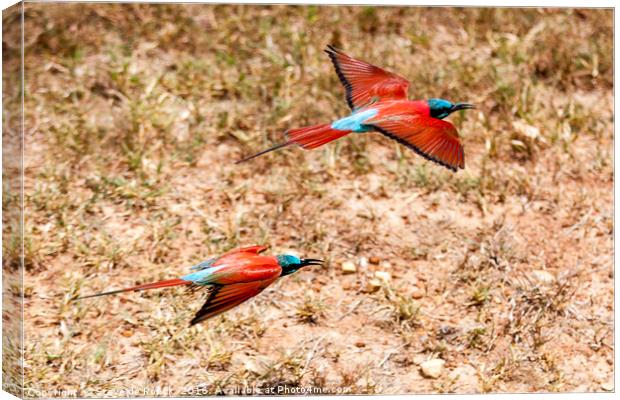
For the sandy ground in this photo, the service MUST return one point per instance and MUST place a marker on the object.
(501, 274)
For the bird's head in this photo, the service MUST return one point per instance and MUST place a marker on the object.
(291, 263)
(441, 108)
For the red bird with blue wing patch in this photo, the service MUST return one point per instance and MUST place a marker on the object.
(378, 100)
(230, 279)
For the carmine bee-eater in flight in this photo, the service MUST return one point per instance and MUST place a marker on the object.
(378, 99)
(231, 278)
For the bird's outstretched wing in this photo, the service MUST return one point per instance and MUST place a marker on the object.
(248, 249)
(216, 260)
(435, 139)
(366, 83)
(224, 297)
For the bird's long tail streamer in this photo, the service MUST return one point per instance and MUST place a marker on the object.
(308, 138)
(146, 286)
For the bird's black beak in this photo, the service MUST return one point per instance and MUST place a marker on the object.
(462, 106)
(310, 261)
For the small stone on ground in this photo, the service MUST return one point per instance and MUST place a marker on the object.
(432, 368)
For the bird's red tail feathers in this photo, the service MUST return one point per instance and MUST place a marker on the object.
(308, 138)
(146, 286)
(315, 136)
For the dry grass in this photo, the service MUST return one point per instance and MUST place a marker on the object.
(135, 113)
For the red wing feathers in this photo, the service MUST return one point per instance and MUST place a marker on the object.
(223, 298)
(432, 138)
(366, 83)
(248, 249)
(240, 253)
(254, 269)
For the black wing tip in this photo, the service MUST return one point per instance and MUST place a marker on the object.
(204, 310)
(332, 49)
(417, 150)
(332, 52)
